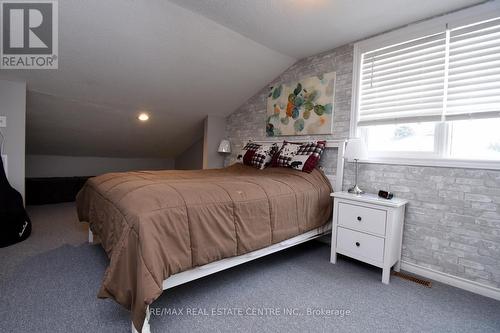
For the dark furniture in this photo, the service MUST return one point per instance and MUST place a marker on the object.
(42, 191)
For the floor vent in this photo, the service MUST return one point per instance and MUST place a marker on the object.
(411, 278)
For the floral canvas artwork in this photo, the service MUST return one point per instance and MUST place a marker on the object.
(301, 108)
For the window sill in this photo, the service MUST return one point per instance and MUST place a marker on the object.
(443, 163)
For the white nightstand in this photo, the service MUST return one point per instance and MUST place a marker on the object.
(369, 229)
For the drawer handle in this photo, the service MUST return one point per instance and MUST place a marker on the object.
(357, 244)
(359, 218)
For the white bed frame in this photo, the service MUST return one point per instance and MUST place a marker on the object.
(220, 265)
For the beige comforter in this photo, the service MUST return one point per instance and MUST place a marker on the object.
(157, 223)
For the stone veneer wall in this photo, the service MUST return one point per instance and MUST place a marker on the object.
(453, 216)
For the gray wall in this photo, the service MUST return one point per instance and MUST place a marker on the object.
(70, 166)
(191, 158)
(13, 105)
(215, 131)
(453, 216)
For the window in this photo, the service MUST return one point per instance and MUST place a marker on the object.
(411, 137)
(475, 139)
(434, 94)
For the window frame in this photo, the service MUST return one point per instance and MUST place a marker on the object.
(405, 153)
(442, 131)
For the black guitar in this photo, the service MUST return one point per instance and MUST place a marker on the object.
(15, 225)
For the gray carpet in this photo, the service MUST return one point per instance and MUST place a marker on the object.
(49, 284)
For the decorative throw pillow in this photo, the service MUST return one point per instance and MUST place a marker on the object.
(257, 155)
(299, 156)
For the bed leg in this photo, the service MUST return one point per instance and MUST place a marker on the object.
(91, 236)
(145, 327)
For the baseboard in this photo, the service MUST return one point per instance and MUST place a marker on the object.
(455, 281)
(452, 280)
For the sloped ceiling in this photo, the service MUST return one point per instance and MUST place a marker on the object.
(118, 57)
(179, 62)
(300, 28)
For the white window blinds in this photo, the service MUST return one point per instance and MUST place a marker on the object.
(474, 71)
(403, 82)
(446, 76)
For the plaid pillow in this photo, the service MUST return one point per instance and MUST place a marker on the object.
(299, 156)
(257, 155)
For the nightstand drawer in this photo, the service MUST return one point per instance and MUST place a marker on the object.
(362, 218)
(360, 245)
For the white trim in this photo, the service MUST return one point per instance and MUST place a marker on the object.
(452, 280)
(220, 265)
(442, 140)
(329, 143)
(339, 180)
(434, 25)
(356, 63)
(339, 144)
(435, 162)
(414, 155)
(370, 198)
(455, 281)
(417, 30)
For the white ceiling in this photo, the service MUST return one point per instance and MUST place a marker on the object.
(121, 56)
(300, 28)
(118, 57)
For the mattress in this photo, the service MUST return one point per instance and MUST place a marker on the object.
(153, 224)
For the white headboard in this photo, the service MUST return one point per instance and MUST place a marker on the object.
(339, 144)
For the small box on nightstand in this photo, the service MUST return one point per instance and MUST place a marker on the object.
(369, 229)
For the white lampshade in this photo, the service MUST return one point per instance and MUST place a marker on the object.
(355, 150)
(224, 146)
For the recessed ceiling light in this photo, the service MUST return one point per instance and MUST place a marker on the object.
(143, 117)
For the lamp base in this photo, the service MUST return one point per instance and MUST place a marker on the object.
(355, 190)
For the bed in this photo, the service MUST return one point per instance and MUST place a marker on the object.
(164, 228)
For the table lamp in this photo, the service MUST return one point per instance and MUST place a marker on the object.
(355, 151)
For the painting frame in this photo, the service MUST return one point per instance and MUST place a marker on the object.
(303, 107)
